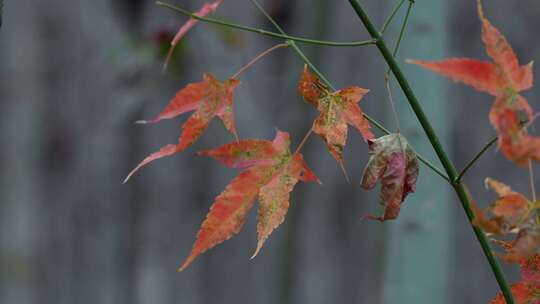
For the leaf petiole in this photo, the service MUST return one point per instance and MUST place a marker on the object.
(260, 56)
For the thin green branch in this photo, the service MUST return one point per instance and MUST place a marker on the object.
(264, 32)
(401, 32)
(268, 17)
(476, 158)
(392, 15)
(437, 146)
(257, 58)
(321, 76)
(403, 27)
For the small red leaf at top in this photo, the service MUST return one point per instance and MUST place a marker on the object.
(206, 9)
(271, 172)
(209, 98)
(394, 163)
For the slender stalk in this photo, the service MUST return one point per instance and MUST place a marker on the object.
(524, 124)
(267, 16)
(401, 32)
(321, 76)
(301, 145)
(394, 53)
(391, 100)
(254, 60)
(437, 146)
(263, 32)
(476, 158)
(392, 15)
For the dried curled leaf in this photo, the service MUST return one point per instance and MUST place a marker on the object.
(338, 110)
(209, 98)
(271, 172)
(394, 163)
(503, 78)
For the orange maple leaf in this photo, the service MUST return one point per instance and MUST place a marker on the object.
(271, 172)
(503, 78)
(209, 98)
(527, 290)
(394, 163)
(511, 213)
(338, 109)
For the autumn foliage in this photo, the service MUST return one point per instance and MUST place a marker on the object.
(527, 290)
(504, 79)
(208, 99)
(512, 215)
(338, 110)
(270, 169)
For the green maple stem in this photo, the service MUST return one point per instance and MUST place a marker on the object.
(310, 64)
(524, 124)
(476, 158)
(437, 146)
(264, 32)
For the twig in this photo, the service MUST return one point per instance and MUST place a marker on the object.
(391, 100)
(301, 145)
(475, 158)
(263, 32)
(254, 60)
(389, 19)
(401, 32)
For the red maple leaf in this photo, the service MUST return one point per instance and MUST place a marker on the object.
(512, 213)
(270, 172)
(338, 109)
(206, 9)
(394, 163)
(503, 78)
(209, 98)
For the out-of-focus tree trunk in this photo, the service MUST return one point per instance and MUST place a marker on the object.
(76, 75)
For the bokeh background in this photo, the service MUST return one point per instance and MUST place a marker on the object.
(74, 77)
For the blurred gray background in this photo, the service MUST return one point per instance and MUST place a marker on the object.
(74, 77)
